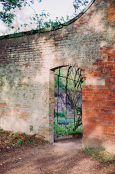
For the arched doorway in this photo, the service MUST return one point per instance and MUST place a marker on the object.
(66, 110)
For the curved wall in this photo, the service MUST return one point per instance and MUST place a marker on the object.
(27, 77)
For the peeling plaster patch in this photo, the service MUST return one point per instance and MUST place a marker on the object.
(23, 115)
(94, 81)
(16, 123)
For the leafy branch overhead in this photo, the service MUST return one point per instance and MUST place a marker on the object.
(8, 5)
(77, 3)
(7, 18)
(8, 15)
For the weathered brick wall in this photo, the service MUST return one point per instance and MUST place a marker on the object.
(27, 78)
(99, 101)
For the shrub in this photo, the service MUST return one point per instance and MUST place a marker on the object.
(66, 129)
(20, 142)
(61, 114)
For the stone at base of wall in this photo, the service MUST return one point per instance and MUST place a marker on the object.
(110, 147)
(92, 142)
(51, 138)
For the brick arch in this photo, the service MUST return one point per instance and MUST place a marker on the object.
(69, 62)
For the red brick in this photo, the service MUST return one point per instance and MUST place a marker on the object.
(3, 104)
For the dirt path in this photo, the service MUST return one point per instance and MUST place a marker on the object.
(69, 142)
(60, 158)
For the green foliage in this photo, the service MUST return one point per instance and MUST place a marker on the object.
(61, 120)
(11, 4)
(24, 135)
(14, 139)
(107, 157)
(96, 154)
(60, 83)
(28, 141)
(5, 15)
(15, 133)
(31, 128)
(40, 19)
(46, 141)
(94, 150)
(66, 129)
(70, 81)
(60, 114)
(20, 142)
(36, 140)
(7, 18)
(100, 154)
(11, 134)
(1, 130)
(78, 3)
(88, 150)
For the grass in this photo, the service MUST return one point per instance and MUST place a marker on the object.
(100, 154)
(66, 129)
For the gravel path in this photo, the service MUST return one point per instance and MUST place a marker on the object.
(62, 157)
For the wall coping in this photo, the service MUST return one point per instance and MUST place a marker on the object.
(44, 30)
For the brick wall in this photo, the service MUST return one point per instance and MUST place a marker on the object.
(27, 78)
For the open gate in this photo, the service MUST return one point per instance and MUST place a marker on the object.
(68, 100)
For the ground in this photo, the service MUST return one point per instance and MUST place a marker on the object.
(62, 157)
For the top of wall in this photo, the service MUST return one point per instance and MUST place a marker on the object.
(43, 30)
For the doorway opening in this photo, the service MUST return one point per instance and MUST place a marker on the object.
(68, 102)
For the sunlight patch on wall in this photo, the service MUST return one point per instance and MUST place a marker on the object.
(103, 44)
(96, 23)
